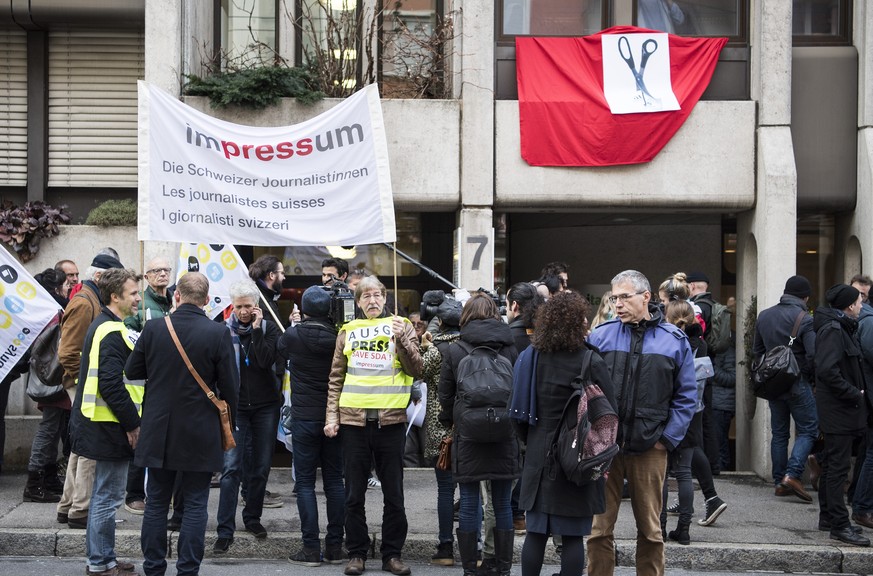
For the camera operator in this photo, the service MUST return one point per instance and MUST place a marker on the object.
(374, 363)
(309, 347)
(333, 270)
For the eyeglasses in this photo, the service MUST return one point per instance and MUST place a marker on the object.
(159, 271)
(624, 297)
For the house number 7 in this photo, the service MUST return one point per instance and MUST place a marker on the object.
(482, 241)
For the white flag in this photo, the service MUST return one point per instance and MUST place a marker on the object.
(25, 309)
(220, 263)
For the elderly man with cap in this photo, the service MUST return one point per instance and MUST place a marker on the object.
(80, 312)
(309, 347)
(843, 406)
(774, 328)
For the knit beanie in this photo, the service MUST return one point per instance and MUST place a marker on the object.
(841, 296)
(105, 262)
(316, 302)
(697, 277)
(798, 286)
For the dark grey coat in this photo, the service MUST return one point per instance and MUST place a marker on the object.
(180, 425)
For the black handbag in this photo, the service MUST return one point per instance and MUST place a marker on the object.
(774, 373)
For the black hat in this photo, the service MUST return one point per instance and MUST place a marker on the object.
(105, 262)
(316, 302)
(798, 286)
(697, 277)
(841, 296)
(449, 312)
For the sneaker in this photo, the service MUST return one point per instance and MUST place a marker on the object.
(714, 507)
(304, 557)
(257, 529)
(215, 481)
(272, 500)
(519, 525)
(222, 545)
(444, 556)
(334, 554)
(373, 482)
(135, 507)
(673, 508)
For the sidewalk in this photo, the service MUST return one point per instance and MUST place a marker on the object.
(757, 532)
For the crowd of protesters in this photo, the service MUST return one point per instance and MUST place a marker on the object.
(144, 371)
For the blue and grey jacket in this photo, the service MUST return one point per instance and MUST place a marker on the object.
(652, 367)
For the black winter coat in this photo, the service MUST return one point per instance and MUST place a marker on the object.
(105, 440)
(773, 328)
(839, 381)
(259, 384)
(309, 347)
(519, 335)
(554, 378)
(475, 461)
(180, 425)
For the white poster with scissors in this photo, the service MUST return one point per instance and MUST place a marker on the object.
(636, 73)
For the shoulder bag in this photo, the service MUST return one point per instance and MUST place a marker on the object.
(227, 441)
(774, 373)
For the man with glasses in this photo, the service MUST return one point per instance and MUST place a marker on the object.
(156, 301)
(374, 364)
(652, 367)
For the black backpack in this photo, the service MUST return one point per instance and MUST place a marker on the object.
(718, 331)
(481, 411)
(45, 382)
(584, 443)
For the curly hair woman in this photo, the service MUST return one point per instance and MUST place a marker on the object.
(543, 381)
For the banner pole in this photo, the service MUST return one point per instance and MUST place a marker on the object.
(396, 294)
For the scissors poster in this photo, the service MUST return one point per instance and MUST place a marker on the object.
(636, 73)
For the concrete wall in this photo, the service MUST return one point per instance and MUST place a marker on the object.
(709, 164)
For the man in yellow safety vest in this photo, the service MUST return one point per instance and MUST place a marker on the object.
(104, 425)
(374, 364)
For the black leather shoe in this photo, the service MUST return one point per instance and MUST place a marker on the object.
(257, 529)
(848, 536)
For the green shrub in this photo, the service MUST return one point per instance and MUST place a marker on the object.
(113, 213)
(255, 87)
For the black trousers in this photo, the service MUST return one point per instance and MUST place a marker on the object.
(384, 445)
(835, 466)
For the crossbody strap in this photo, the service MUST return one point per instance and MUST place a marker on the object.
(184, 355)
(796, 328)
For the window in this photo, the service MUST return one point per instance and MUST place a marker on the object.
(692, 17)
(552, 17)
(413, 48)
(248, 30)
(330, 40)
(821, 22)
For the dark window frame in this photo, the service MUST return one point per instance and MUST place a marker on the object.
(842, 38)
(504, 39)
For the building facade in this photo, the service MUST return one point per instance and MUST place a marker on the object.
(770, 175)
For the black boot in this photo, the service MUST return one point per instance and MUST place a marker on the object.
(504, 541)
(53, 484)
(680, 534)
(35, 490)
(468, 544)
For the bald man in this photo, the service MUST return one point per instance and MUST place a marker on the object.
(156, 301)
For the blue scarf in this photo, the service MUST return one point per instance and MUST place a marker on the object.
(523, 406)
(237, 330)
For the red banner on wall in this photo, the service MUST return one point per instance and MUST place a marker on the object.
(564, 117)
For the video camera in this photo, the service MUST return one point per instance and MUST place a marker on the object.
(342, 303)
(499, 300)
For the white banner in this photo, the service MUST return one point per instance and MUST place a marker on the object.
(220, 263)
(25, 309)
(636, 73)
(324, 181)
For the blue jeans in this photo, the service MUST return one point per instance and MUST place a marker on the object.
(192, 536)
(110, 479)
(862, 503)
(799, 405)
(362, 445)
(445, 504)
(470, 513)
(256, 426)
(311, 448)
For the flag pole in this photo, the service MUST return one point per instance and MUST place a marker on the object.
(396, 295)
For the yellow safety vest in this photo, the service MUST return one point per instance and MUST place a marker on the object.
(374, 376)
(93, 406)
